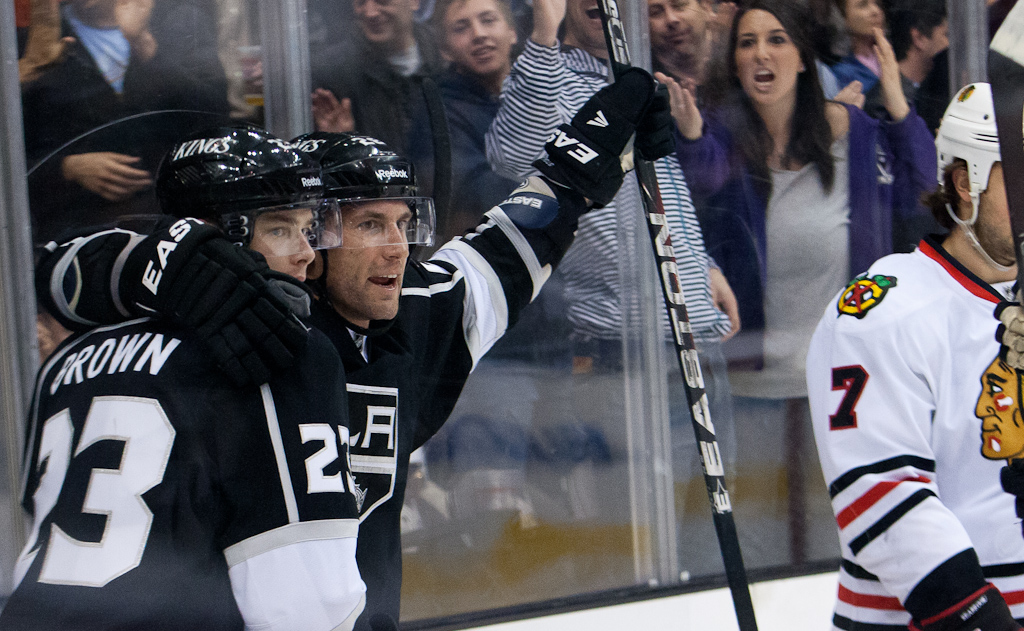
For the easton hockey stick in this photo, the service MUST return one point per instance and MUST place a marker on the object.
(1006, 76)
(686, 351)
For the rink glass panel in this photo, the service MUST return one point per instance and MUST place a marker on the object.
(557, 478)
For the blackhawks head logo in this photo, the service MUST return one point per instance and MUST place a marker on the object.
(998, 408)
(863, 294)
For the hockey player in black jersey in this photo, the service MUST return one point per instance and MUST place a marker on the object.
(409, 333)
(162, 495)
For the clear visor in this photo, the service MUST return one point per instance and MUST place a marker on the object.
(370, 223)
(292, 229)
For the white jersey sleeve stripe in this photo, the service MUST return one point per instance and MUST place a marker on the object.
(538, 274)
(322, 529)
(483, 320)
(274, 428)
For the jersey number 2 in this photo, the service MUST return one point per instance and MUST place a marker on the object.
(850, 379)
(116, 493)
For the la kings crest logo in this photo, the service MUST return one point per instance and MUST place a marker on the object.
(373, 444)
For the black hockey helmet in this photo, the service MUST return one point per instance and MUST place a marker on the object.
(232, 175)
(357, 168)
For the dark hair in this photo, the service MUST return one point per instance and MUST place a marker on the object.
(937, 200)
(923, 15)
(810, 141)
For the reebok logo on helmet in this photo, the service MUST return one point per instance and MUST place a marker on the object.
(309, 182)
(391, 173)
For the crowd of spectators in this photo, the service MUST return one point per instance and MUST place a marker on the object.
(802, 152)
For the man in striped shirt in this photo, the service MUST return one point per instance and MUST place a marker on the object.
(549, 81)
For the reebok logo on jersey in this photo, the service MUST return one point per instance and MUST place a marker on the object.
(599, 120)
(582, 153)
(864, 294)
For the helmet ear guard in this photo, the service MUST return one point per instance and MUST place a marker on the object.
(968, 131)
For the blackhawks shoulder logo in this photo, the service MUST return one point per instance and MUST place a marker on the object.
(863, 294)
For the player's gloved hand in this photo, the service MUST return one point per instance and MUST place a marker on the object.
(1010, 333)
(984, 610)
(595, 150)
(654, 132)
(189, 274)
(1012, 479)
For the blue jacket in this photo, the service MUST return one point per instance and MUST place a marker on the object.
(849, 69)
(891, 165)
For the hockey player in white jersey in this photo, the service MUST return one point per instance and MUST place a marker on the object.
(914, 413)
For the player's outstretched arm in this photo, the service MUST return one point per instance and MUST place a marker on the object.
(506, 261)
(188, 274)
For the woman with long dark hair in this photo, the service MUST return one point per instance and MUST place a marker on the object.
(810, 181)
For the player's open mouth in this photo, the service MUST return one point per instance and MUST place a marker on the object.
(994, 444)
(390, 281)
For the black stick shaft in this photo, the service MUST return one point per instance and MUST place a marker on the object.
(686, 351)
(1006, 77)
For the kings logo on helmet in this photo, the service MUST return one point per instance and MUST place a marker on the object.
(202, 145)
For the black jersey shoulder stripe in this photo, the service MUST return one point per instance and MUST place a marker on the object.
(890, 518)
(844, 623)
(844, 481)
(857, 571)
(274, 431)
(1005, 570)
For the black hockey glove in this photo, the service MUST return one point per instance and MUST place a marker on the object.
(1012, 479)
(595, 150)
(984, 610)
(654, 138)
(189, 274)
(1010, 333)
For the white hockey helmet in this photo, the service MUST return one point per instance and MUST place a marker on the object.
(968, 132)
